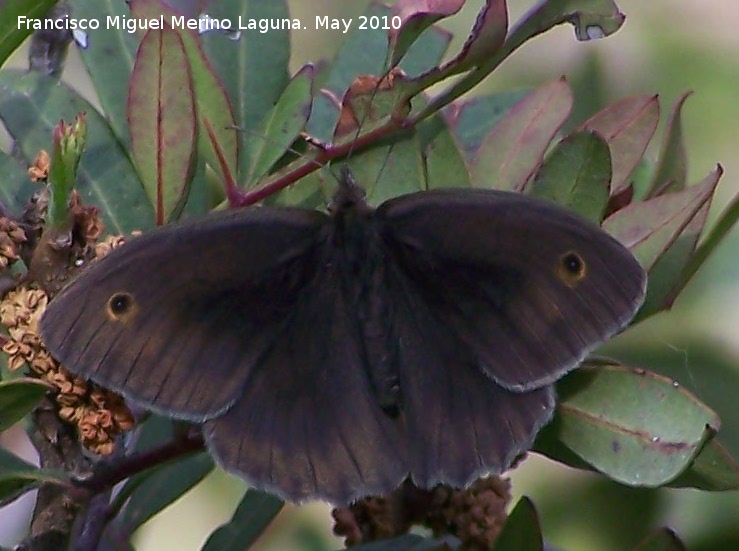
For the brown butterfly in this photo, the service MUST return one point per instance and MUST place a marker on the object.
(333, 355)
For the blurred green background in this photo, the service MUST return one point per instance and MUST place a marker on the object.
(665, 47)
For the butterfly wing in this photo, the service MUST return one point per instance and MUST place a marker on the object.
(459, 423)
(308, 424)
(526, 285)
(177, 318)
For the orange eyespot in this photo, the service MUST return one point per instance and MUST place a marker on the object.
(571, 268)
(121, 306)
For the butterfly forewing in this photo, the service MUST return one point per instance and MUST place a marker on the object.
(528, 286)
(177, 318)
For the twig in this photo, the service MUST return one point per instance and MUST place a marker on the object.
(141, 461)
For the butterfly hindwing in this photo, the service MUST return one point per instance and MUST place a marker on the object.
(308, 424)
(460, 423)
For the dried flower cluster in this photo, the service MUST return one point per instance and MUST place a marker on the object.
(87, 222)
(39, 170)
(100, 415)
(12, 237)
(475, 515)
(369, 519)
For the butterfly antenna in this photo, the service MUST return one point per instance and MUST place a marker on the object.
(343, 180)
(288, 149)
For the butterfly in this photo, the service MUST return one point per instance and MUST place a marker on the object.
(330, 355)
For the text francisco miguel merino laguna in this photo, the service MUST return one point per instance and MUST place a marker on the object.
(202, 23)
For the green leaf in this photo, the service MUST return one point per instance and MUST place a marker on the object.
(515, 147)
(161, 112)
(11, 33)
(282, 124)
(627, 125)
(31, 105)
(713, 470)
(253, 68)
(388, 171)
(443, 162)
(577, 175)
(252, 516)
(18, 397)
(663, 539)
(149, 492)
(522, 530)
(638, 428)
(109, 59)
(470, 120)
(704, 366)
(18, 477)
(672, 164)
(15, 187)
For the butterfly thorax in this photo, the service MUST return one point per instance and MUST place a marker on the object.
(360, 261)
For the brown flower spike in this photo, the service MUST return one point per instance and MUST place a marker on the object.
(475, 515)
(100, 415)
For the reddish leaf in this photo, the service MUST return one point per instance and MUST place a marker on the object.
(161, 115)
(369, 99)
(667, 275)
(487, 36)
(217, 138)
(672, 163)
(650, 228)
(415, 17)
(620, 200)
(627, 126)
(515, 147)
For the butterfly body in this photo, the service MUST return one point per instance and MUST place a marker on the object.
(332, 355)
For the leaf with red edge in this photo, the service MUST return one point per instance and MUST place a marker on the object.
(672, 164)
(713, 470)
(592, 19)
(637, 427)
(217, 135)
(471, 119)
(486, 38)
(162, 119)
(627, 125)
(663, 539)
(415, 17)
(514, 149)
(666, 276)
(650, 228)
